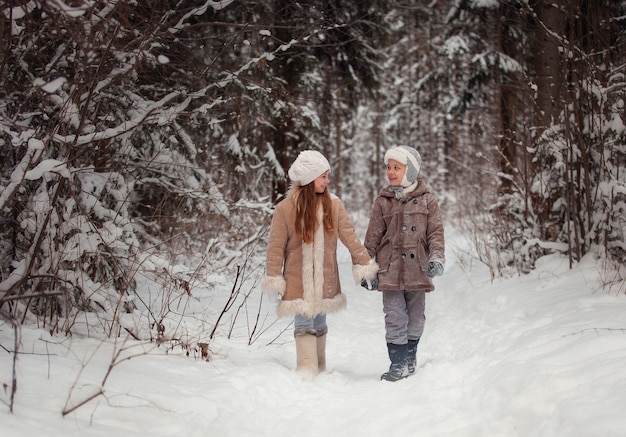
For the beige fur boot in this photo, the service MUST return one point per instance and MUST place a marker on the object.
(306, 354)
(321, 353)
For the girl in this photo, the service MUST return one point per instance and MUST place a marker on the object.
(405, 236)
(301, 266)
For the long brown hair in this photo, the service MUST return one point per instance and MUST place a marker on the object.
(307, 202)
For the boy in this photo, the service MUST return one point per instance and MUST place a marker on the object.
(405, 236)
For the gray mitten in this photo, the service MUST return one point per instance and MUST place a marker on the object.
(373, 285)
(434, 269)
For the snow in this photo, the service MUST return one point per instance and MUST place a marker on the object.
(485, 4)
(52, 86)
(69, 10)
(33, 152)
(454, 46)
(47, 166)
(535, 355)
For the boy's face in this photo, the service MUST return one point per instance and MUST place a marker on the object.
(321, 182)
(395, 172)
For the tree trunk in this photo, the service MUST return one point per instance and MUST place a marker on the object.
(548, 73)
(547, 62)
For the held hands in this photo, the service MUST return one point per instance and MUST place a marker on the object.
(434, 269)
(372, 284)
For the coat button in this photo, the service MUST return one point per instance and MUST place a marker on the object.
(403, 228)
(415, 201)
(412, 255)
(403, 255)
(413, 228)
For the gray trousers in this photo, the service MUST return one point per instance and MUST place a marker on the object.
(404, 315)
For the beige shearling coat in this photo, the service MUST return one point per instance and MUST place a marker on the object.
(306, 276)
(404, 235)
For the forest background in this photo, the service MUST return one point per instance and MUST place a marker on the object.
(152, 138)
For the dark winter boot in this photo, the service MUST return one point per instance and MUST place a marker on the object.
(398, 369)
(411, 355)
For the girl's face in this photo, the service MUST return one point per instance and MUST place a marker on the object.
(395, 172)
(322, 182)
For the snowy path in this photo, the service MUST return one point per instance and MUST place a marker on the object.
(540, 355)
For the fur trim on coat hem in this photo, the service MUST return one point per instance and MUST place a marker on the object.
(299, 306)
(367, 271)
(274, 284)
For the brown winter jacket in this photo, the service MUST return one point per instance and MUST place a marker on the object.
(403, 236)
(307, 275)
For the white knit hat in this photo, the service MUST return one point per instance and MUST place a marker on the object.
(408, 156)
(308, 166)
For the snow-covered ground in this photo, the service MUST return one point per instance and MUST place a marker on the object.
(538, 355)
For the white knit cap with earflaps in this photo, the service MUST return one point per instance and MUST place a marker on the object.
(408, 156)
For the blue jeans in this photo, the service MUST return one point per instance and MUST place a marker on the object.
(303, 325)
